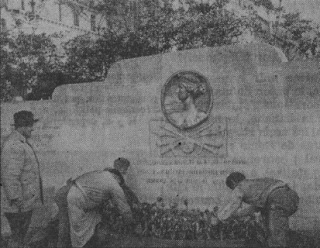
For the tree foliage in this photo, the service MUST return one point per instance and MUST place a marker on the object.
(297, 37)
(141, 28)
(154, 28)
(28, 61)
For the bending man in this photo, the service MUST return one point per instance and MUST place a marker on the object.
(83, 199)
(272, 197)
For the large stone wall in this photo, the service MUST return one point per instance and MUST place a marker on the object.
(251, 112)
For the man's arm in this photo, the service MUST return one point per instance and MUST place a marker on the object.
(232, 206)
(12, 165)
(246, 210)
(121, 202)
(130, 195)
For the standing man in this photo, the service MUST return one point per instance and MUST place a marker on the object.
(20, 177)
(272, 197)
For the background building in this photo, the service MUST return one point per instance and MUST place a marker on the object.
(66, 17)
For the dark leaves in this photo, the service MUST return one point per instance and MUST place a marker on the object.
(154, 220)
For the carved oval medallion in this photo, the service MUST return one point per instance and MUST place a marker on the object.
(186, 99)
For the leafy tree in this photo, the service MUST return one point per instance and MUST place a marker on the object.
(28, 61)
(84, 59)
(298, 38)
(6, 89)
(141, 28)
(116, 13)
(157, 28)
(207, 24)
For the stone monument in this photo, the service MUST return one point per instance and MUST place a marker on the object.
(186, 120)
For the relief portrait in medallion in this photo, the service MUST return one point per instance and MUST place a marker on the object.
(186, 99)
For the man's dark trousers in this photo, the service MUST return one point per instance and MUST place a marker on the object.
(19, 224)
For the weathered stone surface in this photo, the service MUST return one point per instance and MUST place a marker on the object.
(263, 119)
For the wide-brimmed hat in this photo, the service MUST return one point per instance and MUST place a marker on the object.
(24, 119)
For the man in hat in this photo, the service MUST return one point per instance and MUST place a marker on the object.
(20, 176)
(272, 197)
(80, 202)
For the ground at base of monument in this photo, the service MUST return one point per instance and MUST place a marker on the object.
(297, 240)
(40, 239)
(127, 242)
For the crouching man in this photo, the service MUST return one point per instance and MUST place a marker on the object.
(272, 197)
(85, 198)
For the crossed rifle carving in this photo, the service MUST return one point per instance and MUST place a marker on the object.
(194, 139)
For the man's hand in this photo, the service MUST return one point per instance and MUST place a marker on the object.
(17, 202)
(246, 210)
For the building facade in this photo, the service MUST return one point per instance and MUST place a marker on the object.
(67, 17)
